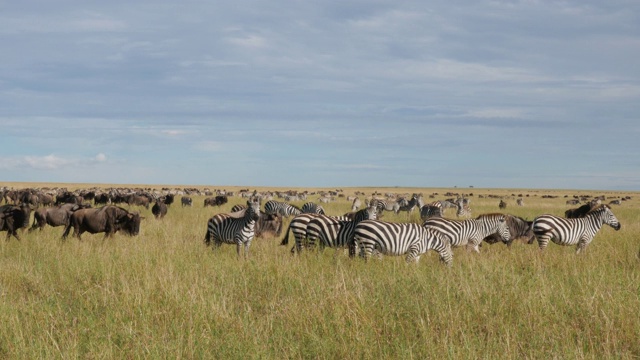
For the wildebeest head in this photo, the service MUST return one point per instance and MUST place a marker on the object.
(129, 223)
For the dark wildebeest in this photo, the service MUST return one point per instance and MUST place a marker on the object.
(502, 204)
(107, 219)
(186, 201)
(68, 197)
(518, 228)
(139, 200)
(159, 209)
(13, 218)
(55, 216)
(102, 198)
(582, 210)
(168, 199)
(216, 201)
(268, 225)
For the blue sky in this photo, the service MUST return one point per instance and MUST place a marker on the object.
(515, 94)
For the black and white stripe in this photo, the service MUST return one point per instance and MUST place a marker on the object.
(235, 228)
(312, 208)
(397, 239)
(273, 207)
(463, 211)
(470, 232)
(518, 228)
(579, 232)
(336, 232)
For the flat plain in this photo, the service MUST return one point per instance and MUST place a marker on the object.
(164, 294)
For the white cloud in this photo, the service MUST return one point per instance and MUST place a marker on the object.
(101, 157)
(209, 146)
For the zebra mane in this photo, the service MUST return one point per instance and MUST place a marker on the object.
(238, 214)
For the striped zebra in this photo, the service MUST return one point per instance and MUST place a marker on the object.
(312, 208)
(397, 239)
(518, 228)
(429, 211)
(579, 232)
(388, 205)
(238, 207)
(410, 205)
(235, 228)
(273, 207)
(463, 211)
(470, 232)
(519, 202)
(355, 205)
(336, 232)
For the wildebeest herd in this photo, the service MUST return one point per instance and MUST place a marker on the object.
(361, 231)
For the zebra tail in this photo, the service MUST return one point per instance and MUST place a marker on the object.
(285, 240)
(207, 238)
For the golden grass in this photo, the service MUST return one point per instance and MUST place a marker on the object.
(163, 294)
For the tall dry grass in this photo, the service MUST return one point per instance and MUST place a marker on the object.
(163, 294)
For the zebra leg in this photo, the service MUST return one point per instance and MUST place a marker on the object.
(582, 245)
(413, 255)
(543, 241)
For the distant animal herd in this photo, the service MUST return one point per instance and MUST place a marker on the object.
(361, 231)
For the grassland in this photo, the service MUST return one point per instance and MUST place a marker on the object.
(163, 294)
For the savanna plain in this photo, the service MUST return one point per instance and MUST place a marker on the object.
(164, 294)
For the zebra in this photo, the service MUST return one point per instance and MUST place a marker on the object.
(429, 211)
(567, 232)
(355, 205)
(312, 208)
(463, 211)
(383, 205)
(470, 232)
(518, 228)
(410, 205)
(519, 202)
(336, 232)
(238, 207)
(400, 239)
(235, 228)
(273, 207)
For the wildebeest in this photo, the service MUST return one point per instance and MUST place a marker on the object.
(159, 209)
(55, 216)
(68, 197)
(186, 201)
(216, 201)
(582, 210)
(139, 200)
(502, 204)
(107, 219)
(168, 199)
(268, 225)
(518, 228)
(13, 218)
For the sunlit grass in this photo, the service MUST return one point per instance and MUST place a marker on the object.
(163, 294)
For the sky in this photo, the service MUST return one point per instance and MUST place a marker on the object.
(497, 94)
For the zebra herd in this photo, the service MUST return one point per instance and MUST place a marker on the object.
(362, 230)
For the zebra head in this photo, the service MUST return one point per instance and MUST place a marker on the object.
(604, 212)
(253, 210)
(502, 229)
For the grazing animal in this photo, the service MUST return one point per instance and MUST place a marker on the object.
(356, 204)
(470, 232)
(336, 233)
(268, 225)
(410, 205)
(159, 209)
(463, 211)
(138, 200)
(186, 201)
(107, 219)
(236, 208)
(383, 205)
(273, 207)
(312, 208)
(582, 210)
(55, 216)
(567, 232)
(431, 210)
(520, 202)
(407, 239)
(219, 200)
(235, 228)
(502, 204)
(518, 228)
(14, 218)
